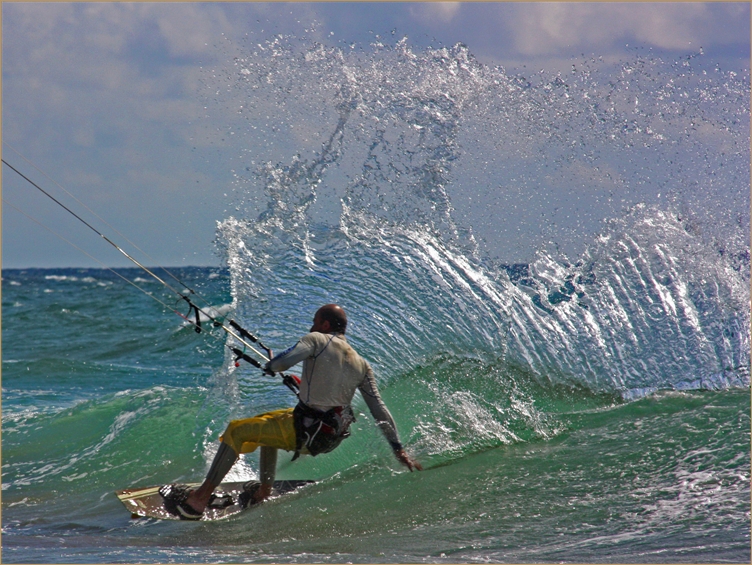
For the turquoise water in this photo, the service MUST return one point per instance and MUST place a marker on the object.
(102, 390)
(591, 405)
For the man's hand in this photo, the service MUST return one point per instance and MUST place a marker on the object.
(407, 461)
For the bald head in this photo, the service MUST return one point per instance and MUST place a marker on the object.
(330, 318)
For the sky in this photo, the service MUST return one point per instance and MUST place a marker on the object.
(103, 100)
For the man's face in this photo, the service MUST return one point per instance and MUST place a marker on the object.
(319, 325)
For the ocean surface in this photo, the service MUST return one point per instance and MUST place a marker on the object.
(102, 390)
(591, 404)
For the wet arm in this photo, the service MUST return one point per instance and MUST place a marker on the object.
(384, 420)
(380, 412)
(292, 356)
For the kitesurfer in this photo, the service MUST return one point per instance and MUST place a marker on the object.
(332, 372)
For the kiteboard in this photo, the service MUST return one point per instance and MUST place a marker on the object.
(229, 499)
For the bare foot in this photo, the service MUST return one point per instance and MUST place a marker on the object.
(199, 498)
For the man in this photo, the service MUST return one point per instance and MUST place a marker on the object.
(332, 372)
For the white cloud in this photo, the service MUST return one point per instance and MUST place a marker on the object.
(432, 13)
(84, 135)
(191, 29)
(540, 29)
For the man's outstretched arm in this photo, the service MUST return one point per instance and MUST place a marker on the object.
(385, 421)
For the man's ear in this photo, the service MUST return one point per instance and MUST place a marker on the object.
(326, 326)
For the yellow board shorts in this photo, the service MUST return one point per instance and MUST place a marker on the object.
(272, 429)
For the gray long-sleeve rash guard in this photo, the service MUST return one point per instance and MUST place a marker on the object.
(332, 371)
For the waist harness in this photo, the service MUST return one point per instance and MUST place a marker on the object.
(319, 431)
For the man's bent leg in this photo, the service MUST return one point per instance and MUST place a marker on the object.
(271, 431)
(223, 462)
(267, 472)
